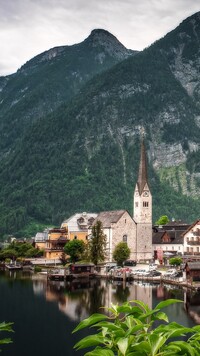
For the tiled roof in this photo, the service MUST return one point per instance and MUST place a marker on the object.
(190, 227)
(193, 265)
(109, 217)
(175, 237)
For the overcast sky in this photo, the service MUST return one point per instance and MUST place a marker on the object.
(30, 27)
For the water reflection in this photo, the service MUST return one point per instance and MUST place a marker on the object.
(192, 305)
(51, 310)
(81, 298)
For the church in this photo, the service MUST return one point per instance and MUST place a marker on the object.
(118, 225)
(136, 231)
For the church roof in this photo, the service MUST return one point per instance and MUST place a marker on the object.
(142, 174)
(109, 217)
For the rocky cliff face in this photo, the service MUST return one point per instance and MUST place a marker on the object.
(181, 48)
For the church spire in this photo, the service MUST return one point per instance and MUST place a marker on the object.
(142, 174)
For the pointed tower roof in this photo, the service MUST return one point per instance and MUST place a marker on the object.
(142, 174)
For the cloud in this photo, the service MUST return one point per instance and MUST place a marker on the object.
(29, 27)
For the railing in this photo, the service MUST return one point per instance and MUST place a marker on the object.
(193, 242)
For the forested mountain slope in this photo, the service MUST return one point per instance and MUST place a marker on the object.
(83, 154)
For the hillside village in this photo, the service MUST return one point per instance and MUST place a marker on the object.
(145, 241)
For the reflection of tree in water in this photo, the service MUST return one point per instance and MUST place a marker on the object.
(97, 297)
(122, 293)
(92, 299)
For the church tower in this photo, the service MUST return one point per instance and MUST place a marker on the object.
(142, 210)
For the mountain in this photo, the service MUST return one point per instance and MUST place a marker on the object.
(51, 78)
(81, 151)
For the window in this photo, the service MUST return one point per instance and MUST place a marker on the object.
(145, 204)
(124, 238)
(75, 237)
(136, 204)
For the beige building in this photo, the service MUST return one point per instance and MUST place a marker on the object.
(118, 226)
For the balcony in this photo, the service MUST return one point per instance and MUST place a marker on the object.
(193, 242)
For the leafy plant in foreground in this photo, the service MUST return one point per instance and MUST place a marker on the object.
(5, 327)
(130, 330)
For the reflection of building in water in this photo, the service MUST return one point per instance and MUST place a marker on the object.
(192, 305)
(39, 286)
(81, 298)
(118, 292)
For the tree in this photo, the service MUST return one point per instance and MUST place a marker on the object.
(130, 329)
(121, 253)
(74, 249)
(163, 220)
(97, 243)
(175, 261)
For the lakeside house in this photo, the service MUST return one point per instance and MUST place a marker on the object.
(78, 224)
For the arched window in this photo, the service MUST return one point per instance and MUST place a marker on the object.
(125, 238)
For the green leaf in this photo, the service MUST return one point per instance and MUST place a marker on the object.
(162, 316)
(5, 341)
(129, 309)
(100, 352)
(91, 340)
(123, 345)
(156, 342)
(186, 349)
(141, 304)
(93, 319)
(6, 326)
(141, 348)
(166, 303)
(108, 325)
(134, 329)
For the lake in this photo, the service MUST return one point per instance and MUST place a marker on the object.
(44, 314)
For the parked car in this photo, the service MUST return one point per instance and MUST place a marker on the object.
(152, 267)
(170, 273)
(130, 263)
(139, 271)
(178, 274)
(110, 265)
(155, 273)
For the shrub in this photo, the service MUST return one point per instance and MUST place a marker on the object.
(130, 330)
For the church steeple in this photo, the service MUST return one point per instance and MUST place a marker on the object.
(142, 174)
(142, 200)
(142, 209)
